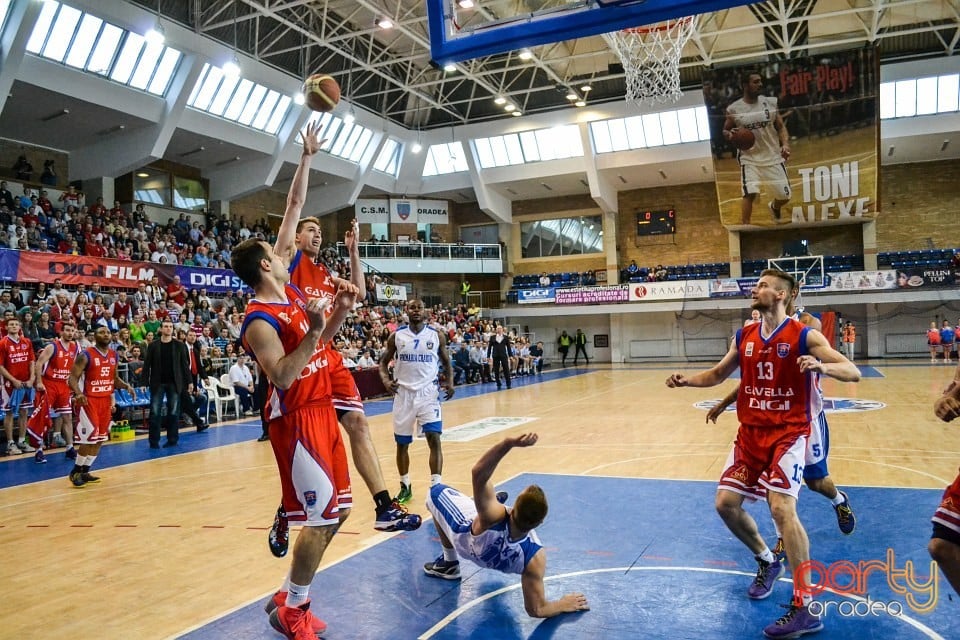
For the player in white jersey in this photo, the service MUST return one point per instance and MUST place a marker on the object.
(764, 161)
(815, 473)
(493, 536)
(417, 351)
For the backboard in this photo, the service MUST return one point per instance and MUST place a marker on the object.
(490, 27)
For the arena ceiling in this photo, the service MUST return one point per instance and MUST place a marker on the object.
(389, 72)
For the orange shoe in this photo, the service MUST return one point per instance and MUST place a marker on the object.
(279, 600)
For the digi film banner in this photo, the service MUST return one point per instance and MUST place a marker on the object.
(814, 150)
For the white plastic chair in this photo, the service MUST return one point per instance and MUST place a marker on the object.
(218, 397)
(230, 393)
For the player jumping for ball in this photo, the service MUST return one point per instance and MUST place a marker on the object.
(764, 161)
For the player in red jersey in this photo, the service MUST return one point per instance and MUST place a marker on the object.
(54, 364)
(776, 358)
(944, 545)
(287, 333)
(299, 241)
(97, 365)
(17, 368)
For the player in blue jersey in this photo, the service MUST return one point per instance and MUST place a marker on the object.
(493, 536)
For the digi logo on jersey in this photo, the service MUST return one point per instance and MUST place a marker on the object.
(101, 388)
(313, 366)
(769, 405)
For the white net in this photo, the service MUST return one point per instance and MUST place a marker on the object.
(651, 59)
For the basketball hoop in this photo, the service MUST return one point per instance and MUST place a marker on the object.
(651, 58)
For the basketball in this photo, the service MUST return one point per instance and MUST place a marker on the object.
(321, 92)
(742, 139)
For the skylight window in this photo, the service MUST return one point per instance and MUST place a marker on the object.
(347, 141)
(445, 158)
(389, 159)
(84, 41)
(240, 100)
(651, 130)
(529, 146)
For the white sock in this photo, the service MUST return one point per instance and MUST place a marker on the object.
(80, 461)
(766, 555)
(450, 555)
(297, 594)
(838, 500)
(405, 479)
(90, 460)
(286, 584)
(435, 479)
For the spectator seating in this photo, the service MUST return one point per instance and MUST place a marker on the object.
(915, 258)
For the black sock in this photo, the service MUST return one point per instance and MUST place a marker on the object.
(85, 468)
(383, 501)
(76, 469)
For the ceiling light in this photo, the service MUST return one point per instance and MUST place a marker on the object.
(449, 67)
(385, 23)
(585, 88)
(580, 103)
(510, 106)
(416, 147)
(349, 118)
(572, 95)
(232, 68)
(516, 114)
(155, 35)
(526, 54)
(143, 174)
(298, 98)
(465, 4)
(499, 100)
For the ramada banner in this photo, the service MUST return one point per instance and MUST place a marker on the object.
(828, 104)
(37, 266)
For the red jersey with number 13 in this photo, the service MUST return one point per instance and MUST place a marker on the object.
(100, 372)
(773, 390)
(312, 386)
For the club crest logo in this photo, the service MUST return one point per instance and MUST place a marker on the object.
(310, 498)
(429, 344)
(403, 210)
(783, 349)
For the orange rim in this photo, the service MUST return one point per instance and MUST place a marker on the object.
(658, 28)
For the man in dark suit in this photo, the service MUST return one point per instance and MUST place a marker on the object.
(194, 400)
(498, 355)
(166, 372)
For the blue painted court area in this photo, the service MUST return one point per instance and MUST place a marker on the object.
(653, 558)
(22, 469)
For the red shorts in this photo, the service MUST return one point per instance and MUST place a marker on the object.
(93, 420)
(770, 458)
(312, 461)
(948, 513)
(58, 397)
(346, 396)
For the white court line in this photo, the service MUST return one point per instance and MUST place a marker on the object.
(893, 466)
(432, 631)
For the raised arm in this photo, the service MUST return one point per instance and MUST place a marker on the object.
(346, 296)
(535, 598)
(489, 511)
(283, 368)
(297, 196)
(352, 240)
(826, 360)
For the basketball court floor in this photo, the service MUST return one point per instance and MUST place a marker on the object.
(172, 543)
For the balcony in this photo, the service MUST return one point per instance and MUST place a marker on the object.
(397, 258)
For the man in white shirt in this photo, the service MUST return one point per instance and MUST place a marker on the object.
(242, 381)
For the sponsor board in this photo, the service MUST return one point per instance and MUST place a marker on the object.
(731, 287)
(830, 405)
(861, 281)
(368, 211)
(481, 428)
(593, 295)
(927, 277)
(678, 290)
(531, 296)
(391, 292)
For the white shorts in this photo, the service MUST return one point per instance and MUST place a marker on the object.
(412, 409)
(818, 446)
(753, 177)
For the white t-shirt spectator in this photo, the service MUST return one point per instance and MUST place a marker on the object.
(240, 375)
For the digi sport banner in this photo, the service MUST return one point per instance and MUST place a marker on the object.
(828, 106)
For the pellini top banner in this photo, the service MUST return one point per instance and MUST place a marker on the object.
(402, 210)
(37, 266)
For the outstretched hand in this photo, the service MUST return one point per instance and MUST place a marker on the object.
(311, 143)
(715, 412)
(677, 380)
(523, 440)
(574, 602)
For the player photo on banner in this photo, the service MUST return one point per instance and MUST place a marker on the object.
(795, 142)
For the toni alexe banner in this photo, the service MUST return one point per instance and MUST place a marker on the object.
(37, 266)
(807, 132)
